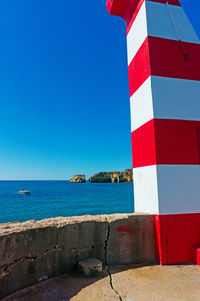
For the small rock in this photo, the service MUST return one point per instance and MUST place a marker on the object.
(90, 266)
(45, 277)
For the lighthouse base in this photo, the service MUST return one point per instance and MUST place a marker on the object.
(178, 238)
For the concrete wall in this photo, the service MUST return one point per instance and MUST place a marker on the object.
(37, 250)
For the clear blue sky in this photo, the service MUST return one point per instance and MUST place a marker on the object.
(64, 88)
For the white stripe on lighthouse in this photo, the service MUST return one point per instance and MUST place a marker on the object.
(172, 99)
(178, 189)
(137, 34)
(172, 20)
(142, 105)
(173, 25)
(176, 98)
(146, 189)
(175, 186)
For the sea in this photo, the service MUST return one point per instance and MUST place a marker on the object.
(62, 198)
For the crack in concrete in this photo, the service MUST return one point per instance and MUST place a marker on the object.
(4, 269)
(106, 263)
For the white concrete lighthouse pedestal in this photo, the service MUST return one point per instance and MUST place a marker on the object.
(164, 82)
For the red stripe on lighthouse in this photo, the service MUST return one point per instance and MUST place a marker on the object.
(177, 143)
(163, 57)
(129, 9)
(139, 68)
(178, 235)
(143, 145)
(129, 25)
(171, 2)
(175, 59)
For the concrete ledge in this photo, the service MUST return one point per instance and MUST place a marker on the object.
(131, 283)
(34, 251)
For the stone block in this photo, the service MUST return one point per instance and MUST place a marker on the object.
(89, 267)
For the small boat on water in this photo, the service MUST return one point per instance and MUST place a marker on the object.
(24, 192)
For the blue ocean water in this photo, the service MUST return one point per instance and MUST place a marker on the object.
(62, 198)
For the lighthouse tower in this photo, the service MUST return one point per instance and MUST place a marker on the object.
(164, 81)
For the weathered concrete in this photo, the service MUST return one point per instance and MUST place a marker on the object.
(133, 283)
(154, 283)
(38, 250)
(131, 240)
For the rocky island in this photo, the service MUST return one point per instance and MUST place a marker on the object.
(78, 179)
(106, 177)
(113, 177)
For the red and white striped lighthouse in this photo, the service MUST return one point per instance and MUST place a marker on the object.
(164, 81)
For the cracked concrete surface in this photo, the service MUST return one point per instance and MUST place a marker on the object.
(7, 267)
(134, 283)
(106, 264)
(34, 251)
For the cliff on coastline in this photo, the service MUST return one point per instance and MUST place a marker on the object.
(78, 179)
(106, 177)
(113, 177)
